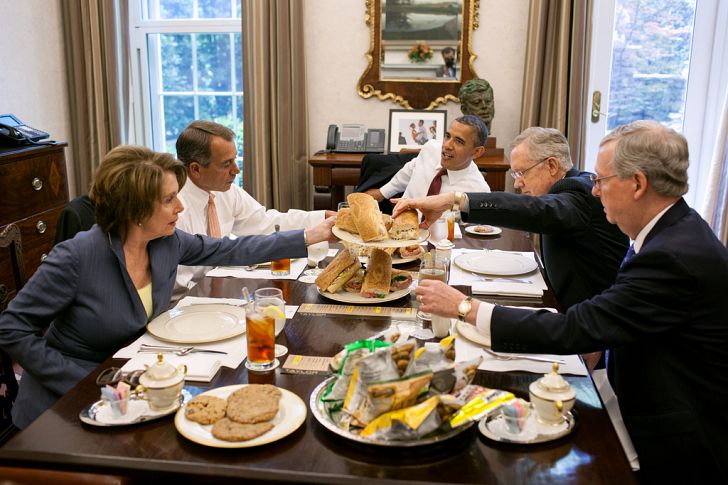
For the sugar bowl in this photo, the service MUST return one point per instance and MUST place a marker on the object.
(552, 397)
(161, 384)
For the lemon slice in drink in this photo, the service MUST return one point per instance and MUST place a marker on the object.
(273, 311)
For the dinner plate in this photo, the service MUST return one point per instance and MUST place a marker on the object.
(494, 427)
(471, 333)
(347, 297)
(197, 324)
(495, 263)
(138, 411)
(386, 243)
(471, 230)
(320, 411)
(291, 414)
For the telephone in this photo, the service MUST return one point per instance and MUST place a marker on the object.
(355, 139)
(16, 132)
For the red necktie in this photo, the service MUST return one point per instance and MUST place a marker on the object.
(436, 183)
(213, 223)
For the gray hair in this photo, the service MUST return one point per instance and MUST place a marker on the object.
(195, 142)
(543, 143)
(659, 152)
(479, 128)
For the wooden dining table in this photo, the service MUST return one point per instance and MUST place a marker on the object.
(155, 450)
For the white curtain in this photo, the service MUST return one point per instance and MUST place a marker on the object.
(715, 205)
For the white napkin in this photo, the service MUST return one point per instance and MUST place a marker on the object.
(506, 288)
(260, 273)
(204, 300)
(599, 376)
(200, 367)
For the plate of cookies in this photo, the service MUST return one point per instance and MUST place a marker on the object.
(240, 416)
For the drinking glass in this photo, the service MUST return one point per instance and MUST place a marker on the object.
(316, 253)
(431, 269)
(281, 267)
(263, 323)
(342, 205)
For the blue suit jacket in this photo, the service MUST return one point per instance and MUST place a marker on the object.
(83, 294)
(581, 250)
(666, 317)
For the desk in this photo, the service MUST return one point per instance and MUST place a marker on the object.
(312, 454)
(333, 171)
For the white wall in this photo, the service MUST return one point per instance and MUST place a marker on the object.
(32, 68)
(337, 40)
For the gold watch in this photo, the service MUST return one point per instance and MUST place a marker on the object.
(464, 308)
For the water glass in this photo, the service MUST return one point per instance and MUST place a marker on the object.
(317, 253)
(431, 269)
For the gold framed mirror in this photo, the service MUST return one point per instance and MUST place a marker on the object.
(420, 51)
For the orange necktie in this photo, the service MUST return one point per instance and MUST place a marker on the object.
(436, 183)
(213, 223)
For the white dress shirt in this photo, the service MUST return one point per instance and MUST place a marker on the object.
(239, 215)
(416, 176)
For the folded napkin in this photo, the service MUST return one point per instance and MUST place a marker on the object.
(200, 367)
(506, 288)
(260, 273)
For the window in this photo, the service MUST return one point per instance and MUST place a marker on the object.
(187, 65)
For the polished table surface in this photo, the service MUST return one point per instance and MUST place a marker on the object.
(58, 440)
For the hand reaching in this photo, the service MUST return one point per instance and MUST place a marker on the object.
(431, 207)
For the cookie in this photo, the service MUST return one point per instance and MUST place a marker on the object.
(206, 409)
(228, 430)
(254, 403)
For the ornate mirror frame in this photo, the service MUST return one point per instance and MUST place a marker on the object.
(416, 93)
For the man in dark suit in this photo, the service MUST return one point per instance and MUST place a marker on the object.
(665, 316)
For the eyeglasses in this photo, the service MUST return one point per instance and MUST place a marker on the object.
(597, 181)
(114, 375)
(521, 173)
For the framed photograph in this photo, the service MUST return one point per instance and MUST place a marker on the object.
(411, 129)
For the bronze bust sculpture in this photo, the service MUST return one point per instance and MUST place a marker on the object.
(476, 98)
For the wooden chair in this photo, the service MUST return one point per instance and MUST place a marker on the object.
(10, 240)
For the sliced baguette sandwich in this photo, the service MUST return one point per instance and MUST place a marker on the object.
(367, 217)
(405, 226)
(379, 275)
(338, 272)
(345, 221)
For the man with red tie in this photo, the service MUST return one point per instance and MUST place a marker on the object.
(442, 166)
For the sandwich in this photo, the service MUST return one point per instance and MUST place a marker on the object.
(405, 225)
(367, 217)
(338, 272)
(410, 251)
(400, 280)
(355, 282)
(378, 276)
(345, 221)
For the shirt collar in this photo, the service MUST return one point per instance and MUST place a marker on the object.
(640, 239)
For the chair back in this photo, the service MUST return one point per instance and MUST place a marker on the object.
(78, 215)
(377, 170)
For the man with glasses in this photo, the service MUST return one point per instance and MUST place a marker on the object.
(664, 316)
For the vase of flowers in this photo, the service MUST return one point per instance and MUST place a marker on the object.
(420, 52)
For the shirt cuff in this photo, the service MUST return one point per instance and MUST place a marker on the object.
(387, 192)
(482, 319)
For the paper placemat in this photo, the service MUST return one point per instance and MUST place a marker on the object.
(261, 273)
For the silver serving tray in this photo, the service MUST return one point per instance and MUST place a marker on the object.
(318, 409)
(89, 413)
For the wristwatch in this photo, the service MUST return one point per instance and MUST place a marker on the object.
(464, 308)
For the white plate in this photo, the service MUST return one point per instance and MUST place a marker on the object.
(494, 427)
(495, 263)
(386, 243)
(471, 333)
(197, 324)
(138, 411)
(346, 297)
(291, 414)
(471, 230)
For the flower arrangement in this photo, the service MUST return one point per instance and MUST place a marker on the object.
(420, 52)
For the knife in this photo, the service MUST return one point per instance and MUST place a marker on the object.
(177, 350)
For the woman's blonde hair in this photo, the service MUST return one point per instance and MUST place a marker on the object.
(128, 183)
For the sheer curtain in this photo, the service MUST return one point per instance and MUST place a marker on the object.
(556, 74)
(715, 206)
(98, 81)
(275, 168)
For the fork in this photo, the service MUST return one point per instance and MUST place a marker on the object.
(507, 280)
(177, 350)
(534, 358)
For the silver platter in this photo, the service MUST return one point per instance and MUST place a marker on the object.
(318, 409)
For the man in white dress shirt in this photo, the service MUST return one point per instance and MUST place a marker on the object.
(450, 161)
(208, 151)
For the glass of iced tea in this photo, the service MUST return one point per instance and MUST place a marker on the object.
(281, 267)
(431, 269)
(260, 330)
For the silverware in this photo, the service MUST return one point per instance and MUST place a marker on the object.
(177, 350)
(252, 267)
(534, 358)
(507, 280)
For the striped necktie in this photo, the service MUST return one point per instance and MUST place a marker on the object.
(213, 223)
(628, 256)
(436, 183)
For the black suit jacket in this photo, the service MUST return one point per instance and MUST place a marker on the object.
(581, 250)
(79, 215)
(666, 317)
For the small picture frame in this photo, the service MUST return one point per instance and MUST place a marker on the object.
(410, 129)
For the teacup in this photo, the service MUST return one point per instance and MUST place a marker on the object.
(161, 384)
(551, 411)
(552, 397)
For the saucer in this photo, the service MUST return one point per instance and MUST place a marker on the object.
(494, 427)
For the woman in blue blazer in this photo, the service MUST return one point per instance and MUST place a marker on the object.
(97, 291)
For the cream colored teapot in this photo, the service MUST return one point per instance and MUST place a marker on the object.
(552, 397)
(161, 384)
